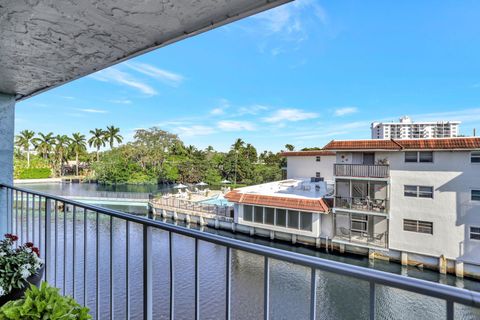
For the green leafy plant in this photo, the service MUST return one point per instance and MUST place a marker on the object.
(17, 264)
(35, 173)
(44, 303)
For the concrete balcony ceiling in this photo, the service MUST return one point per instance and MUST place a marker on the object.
(44, 44)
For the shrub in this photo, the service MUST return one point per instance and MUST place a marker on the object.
(35, 173)
(44, 303)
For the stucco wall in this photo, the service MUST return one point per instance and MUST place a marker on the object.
(451, 211)
(306, 167)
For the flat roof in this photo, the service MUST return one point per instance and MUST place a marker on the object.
(298, 194)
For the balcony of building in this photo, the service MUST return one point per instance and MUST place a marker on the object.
(361, 165)
(362, 195)
(361, 229)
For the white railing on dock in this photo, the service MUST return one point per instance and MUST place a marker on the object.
(182, 204)
(42, 222)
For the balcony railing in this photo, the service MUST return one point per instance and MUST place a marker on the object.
(362, 204)
(359, 237)
(362, 170)
(70, 234)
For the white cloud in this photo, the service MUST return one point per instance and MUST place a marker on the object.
(253, 110)
(340, 112)
(217, 111)
(290, 115)
(121, 101)
(289, 19)
(87, 110)
(167, 77)
(229, 125)
(196, 130)
(114, 75)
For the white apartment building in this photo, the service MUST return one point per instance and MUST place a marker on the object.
(416, 201)
(407, 129)
(419, 199)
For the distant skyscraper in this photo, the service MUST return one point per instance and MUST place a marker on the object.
(407, 129)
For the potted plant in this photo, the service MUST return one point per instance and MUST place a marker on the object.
(19, 267)
(44, 303)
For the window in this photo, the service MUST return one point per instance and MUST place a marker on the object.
(475, 157)
(269, 216)
(411, 156)
(359, 222)
(281, 217)
(418, 191)
(419, 156)
(306, 221)
(425, 192)
(318, 159)
(425, 156)
(247, 213)
(418, 226)
(410, 191)
(475, 233)
(475, 195)
(293, 219)
(317, 174)
(258, 214)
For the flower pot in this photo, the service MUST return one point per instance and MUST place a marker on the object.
(15, 294)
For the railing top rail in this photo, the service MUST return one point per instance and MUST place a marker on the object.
(449, 293)
(360, 164)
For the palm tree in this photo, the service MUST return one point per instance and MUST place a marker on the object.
(290, 147)
(239, 143)
(23, 141)
(44, 144)
(112, 135)
(62, 143)
(97, 140)
(77, 144)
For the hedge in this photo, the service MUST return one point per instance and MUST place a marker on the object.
(35, 173)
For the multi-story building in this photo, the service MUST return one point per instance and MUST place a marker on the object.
(407, 129)
(418, 198)
(416, 201)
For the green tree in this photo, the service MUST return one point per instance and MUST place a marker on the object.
(62, 143)
(44, 144)
(24, 141)
(97, 140)
(112, 135)
(289, 147)
(78, 144)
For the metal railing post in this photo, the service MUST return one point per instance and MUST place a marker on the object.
(147, 274)
(48, 235)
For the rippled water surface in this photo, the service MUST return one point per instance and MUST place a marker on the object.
(338, 297)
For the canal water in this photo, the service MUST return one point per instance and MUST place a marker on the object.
(339, 297)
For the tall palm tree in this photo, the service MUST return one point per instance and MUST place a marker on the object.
(24, 140)
(44, 144)
(62, 143)
(112, 135)
(97, 140)
(78, 144)
(238, 144)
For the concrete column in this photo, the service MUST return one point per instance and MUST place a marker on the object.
(404, 258)
(7, 125)
(442, 264)
(459, 269)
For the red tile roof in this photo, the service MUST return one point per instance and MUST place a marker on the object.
(315, 205)
(307, 153)
(464, 143)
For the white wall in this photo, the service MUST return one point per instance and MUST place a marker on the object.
(306, 167)
(451, 211)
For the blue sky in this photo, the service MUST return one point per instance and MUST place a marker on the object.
(304, 73)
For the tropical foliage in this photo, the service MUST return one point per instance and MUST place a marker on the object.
(154, 156)
(44, 303)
